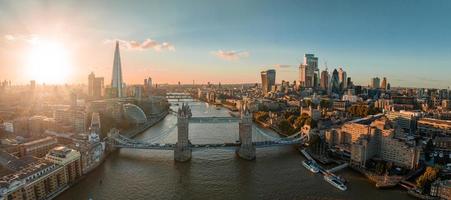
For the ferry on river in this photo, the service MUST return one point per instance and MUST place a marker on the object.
(311, 166)
(335, 182)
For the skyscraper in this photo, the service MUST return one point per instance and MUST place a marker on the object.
(349, 83)
(116, 80)
(342, 77)
(375, 82)
(95, 86)
(335, 82)
(148, 85)
(268, 80)
(384, 83)
(308, 71)
(324, 80)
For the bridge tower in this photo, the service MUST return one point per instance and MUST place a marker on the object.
(247, 148)
(182, 151)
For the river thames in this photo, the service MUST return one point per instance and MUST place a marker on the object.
(277, 172)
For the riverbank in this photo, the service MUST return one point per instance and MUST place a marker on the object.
(138, 130)
(264, 125)
(130, 133)
(381, 182)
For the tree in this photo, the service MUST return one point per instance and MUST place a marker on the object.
(427, 149)
(308, 121)
(300, 121)
(285, 126)
(292, 118)
(263, 108)
(429, 175)
(380, 168)
(261, 116)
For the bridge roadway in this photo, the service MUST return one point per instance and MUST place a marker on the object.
(158, 146)
(213, 120)
(178, 96)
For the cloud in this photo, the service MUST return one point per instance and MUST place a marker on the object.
(30, 38)
(282, 66)
(145, 45)
(230, 55)
(9, 37)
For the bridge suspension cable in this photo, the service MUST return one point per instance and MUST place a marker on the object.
(292, 138)
(146, 141)
(160, 136)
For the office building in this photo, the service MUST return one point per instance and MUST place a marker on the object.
(268, 80)
(37, 148)
(342, 77)
(75, 119)
(335, 82)
(324, 83)
(406, 120)
(375, 83)
(434, 127)
(116, 80)
(95, 86)
(378, 140)
(308, 71)
(349, 83)
(384, 84)
(148, 86)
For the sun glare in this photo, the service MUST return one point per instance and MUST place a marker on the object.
(48, 62)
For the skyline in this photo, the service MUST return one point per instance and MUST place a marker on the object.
(173, 41)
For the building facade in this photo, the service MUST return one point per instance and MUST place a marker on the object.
(308, 71)
(268, 80)
(116, 80)
(434, 127)
(37, 148)
(324, 83)
(95, 86)
(375, 83)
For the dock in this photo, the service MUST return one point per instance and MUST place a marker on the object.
(338, 168)
(306, 154)
(323, 171)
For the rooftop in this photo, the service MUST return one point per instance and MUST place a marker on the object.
(60, 151)
(438, 121)
(43, 140)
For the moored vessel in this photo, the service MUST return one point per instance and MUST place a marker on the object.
(311, 166)
(335, 182)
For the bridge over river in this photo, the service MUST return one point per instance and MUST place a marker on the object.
(245, 147)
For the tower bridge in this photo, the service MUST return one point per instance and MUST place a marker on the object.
(245, 147)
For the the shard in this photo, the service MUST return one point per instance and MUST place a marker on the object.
(116, 80)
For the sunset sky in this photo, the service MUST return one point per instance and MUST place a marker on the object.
(225, 41)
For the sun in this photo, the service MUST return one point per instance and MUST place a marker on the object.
(48, 62)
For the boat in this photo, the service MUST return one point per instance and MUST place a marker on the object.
(335, 182)
(310, 165)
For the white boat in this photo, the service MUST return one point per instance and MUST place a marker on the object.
(335, 182)
(310, 165)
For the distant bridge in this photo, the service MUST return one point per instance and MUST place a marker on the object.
(179, 96)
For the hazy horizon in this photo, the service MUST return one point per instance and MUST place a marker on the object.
(227, 42)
